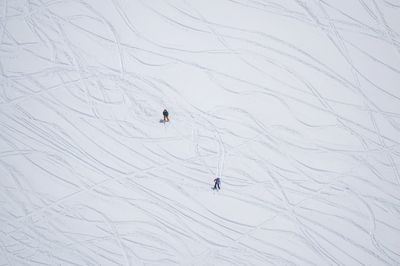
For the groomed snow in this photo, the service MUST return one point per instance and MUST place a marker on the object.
(294, 104)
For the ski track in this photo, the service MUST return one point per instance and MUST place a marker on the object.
(293, 104)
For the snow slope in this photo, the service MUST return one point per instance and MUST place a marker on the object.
(294, 104)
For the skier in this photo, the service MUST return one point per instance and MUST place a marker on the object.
(217, 182)
(165, 114)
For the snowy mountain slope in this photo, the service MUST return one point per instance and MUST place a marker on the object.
(294, 104)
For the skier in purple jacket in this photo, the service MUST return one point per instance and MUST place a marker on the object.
(217, 182)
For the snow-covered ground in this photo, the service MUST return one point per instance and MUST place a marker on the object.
(294, 104)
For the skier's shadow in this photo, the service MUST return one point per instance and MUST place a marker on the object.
(162, 121)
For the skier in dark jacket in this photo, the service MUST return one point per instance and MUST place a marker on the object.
(165, 114)
(217, 182)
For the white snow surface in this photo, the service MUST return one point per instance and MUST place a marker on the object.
(294, 104)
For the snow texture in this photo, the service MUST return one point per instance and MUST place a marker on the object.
(294, 104)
